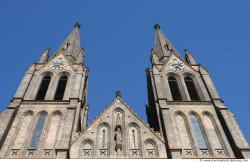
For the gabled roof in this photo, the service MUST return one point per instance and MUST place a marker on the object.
(54, 58)
(118, 98)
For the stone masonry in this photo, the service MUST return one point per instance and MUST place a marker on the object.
(47, 117)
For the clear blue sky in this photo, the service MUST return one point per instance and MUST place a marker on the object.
(118, 36)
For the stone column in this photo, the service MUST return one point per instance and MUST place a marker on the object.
(172, 139)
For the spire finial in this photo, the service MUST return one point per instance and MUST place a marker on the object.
(77, 25)
(118, 93)
(157, 26)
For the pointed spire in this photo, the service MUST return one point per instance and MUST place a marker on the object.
(189, 58)
(163, 48)
(45, 55)
(71, 45)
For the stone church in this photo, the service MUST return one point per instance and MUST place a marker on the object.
(47, 117)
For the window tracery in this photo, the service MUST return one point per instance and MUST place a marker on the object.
(35, 139)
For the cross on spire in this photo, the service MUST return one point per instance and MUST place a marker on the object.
(157, 26)
(77, 25)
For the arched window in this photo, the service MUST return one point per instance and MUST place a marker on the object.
(183, 131)
(87, 148)
(35, 139)
(133, 138)
(23, 131)
(53, 130)
(103, 137)
(150, 147)
(67, 45)
(174, 88)
(210, 127)
(61, 88)
(43, 88)
(198, 135)
(194, 96)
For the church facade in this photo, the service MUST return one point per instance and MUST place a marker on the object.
(47, 117)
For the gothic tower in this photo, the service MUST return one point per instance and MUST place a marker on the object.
(184, 105)
(47, 117)
(49, 107)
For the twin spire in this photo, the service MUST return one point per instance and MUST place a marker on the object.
(72, 49)
(163, 48)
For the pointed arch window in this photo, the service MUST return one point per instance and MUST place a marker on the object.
(43, 88)
(87, 148)
(61, 88)
(198, 135)
(67, 45)
(210, 126)
(174, 88)
(23, 131)
(183, 131)
(150, 148)
(194, 96)
(35, 139)
(133, 138)
(54, 127)
(103, 137)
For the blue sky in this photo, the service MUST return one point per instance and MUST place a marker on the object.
(118, 36)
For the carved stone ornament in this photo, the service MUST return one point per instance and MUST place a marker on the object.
(118, 135)
(59, 64)
(176, 65)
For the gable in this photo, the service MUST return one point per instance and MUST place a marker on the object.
(177, 64)
(57, 63)
(174, 64)
(127, 135)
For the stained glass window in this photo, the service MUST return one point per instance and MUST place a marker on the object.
(176, 95)
(198, 135)
(37, 131)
